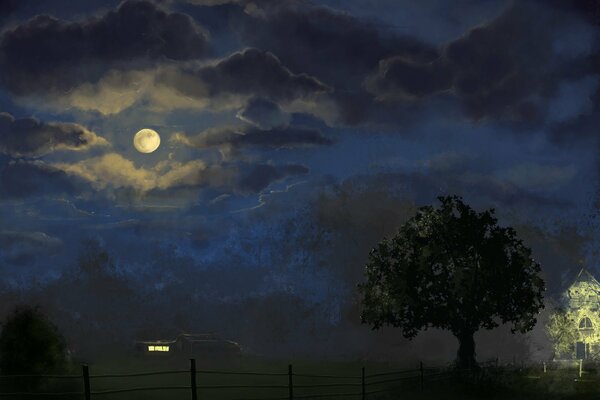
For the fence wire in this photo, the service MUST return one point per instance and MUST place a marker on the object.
(366, 385)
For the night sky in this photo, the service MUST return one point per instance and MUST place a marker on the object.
(294, 136)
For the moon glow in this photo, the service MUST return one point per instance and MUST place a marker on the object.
(146, 140)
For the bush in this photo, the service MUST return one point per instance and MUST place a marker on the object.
(31, 344)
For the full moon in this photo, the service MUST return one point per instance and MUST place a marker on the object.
(146, 141)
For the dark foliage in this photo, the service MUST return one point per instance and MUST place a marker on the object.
(30, 344)
(452, 268)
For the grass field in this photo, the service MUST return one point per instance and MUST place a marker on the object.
(350, 371)
(491, 383)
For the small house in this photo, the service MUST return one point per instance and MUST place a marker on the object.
(582, 301)
(189, 344)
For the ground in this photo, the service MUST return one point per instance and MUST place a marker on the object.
(505, 382)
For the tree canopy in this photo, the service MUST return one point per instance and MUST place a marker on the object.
(562, 331)
(452, 268)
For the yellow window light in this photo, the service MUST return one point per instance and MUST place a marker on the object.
(158, 348)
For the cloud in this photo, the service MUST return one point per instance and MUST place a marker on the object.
(113, 172)
(399, 78)
(263, 114)
(508, 67)
(574, 98)
(258, 177)
(212, 3)
(46, 54)
(33, 138)
(114, 92)
(7, 7)
(500, 66)
(247, 73)
(235, 138)
(223, 84)
(21, 179)
(18, 247)
(587, 9)
(336, 48)
(533, 176)
(332, 45)
(483, 182)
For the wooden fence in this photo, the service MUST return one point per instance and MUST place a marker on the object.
(359, 386)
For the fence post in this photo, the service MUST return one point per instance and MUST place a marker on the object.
(544, 366)
(580, 367)
(290, 383)
(421, 369)
(364, 393)
(193, 379)
(86, 381)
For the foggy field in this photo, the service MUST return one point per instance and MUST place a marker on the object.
(351, 370)
(439, 383)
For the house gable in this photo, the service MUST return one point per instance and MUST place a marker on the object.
(584, 292)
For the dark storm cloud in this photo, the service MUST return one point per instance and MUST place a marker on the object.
(580, 126)
(250, 72)
(589, 9)
(31, 137)
(47, 54)
(508, 67)
(497, 69)
(335, 47)
(588, 65)
(7, 7)
(398, 78)
(332, 45)
(22, 247)
(240, 137)
(501, 65)
(223, 84)
(259, 177)
(263, 113)
(20, 179)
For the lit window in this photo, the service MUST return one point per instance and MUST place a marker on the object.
(158, 348)
(585, 323)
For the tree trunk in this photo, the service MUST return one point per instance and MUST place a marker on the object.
(466, 351)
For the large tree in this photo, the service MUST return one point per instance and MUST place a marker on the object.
(452, 268)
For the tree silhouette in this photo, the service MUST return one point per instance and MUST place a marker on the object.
(455, 269)
(30, 344)
(94, 260)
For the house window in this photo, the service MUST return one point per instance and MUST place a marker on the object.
(585, 323)
(158, 348)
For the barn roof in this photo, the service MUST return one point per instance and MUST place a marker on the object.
(159, 342)
(190, 337)
(195, 337)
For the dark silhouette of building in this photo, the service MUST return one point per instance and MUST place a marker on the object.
(189, 344)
